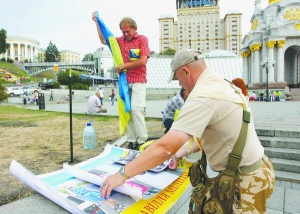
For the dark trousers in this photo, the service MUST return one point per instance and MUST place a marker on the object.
(168, 124)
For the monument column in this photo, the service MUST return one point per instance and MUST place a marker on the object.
(270, 46)
(280, 61)
(19, 52)
(26, 51)
(11, 50)
(31, 53)
(256, 64)
(245, 55)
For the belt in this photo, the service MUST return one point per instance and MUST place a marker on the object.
(254, 166)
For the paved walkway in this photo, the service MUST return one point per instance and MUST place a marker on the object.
(279, 115)
(266, 114)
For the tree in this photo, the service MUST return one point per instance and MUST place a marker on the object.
(88, 57)
(52, 53)
(153, 53)
(169, 51)
(3, 45)
(3, 94)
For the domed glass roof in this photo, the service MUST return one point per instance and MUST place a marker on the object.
(219, 54)
(226, 63)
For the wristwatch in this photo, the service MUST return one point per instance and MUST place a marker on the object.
(122, 173)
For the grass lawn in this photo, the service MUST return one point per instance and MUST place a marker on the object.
(40, 141)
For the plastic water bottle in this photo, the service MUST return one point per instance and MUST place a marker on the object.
(89, 136)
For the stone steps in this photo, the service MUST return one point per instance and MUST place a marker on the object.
(283, 153)
(280, 142)
(286, 165)
(283, 149)
(287, 176)
(274, 132)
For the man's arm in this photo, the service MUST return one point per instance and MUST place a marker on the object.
(98, 104)
(142, 61)
(101, 37)
(155, 154)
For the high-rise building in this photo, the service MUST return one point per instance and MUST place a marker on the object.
(199, 26)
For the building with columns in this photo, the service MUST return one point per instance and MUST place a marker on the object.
(271, 50)
(21, 48)
(199, 26)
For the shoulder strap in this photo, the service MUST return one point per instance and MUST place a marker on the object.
(236, 154)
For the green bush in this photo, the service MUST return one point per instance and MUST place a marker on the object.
(3, 94)
(3, 59)
(80, 86)
(64, 79)
(56, 84)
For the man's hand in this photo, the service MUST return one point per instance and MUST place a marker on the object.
(94, 17)
(109, 183)
(173, 164)
(119, 69)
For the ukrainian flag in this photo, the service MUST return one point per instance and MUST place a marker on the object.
(123, 98)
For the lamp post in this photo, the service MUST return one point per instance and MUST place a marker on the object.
(265, 64)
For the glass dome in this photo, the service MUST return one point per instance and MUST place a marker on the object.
(226, 63)
(219, 54)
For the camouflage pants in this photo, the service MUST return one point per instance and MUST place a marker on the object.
(255, 189)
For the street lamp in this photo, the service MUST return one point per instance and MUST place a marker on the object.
(265, 64)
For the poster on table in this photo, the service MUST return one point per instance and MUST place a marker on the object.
(76, 188)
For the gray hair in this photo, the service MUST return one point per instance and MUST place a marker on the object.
(130, 21)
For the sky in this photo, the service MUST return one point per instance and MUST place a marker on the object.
(68, 23)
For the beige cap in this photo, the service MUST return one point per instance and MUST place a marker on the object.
(181, 58)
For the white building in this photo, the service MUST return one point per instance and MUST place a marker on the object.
(21, 48)
(271, 50)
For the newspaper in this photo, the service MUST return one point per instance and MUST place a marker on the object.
(79, 195)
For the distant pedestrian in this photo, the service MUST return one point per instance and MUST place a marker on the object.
(51, 96)
(25, 99)
(112, 97)
(277, 96)
(33, 97)
(36, 97)
(109, 99)
(261, 96)
(253, 96)
(272, 96)
(101, 91)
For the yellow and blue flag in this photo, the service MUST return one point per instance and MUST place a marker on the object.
(123, 97)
